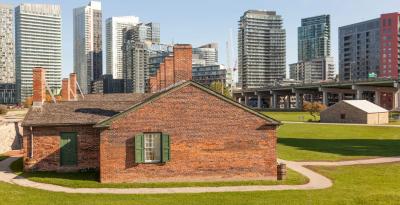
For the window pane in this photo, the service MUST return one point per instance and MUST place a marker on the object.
(152, 149)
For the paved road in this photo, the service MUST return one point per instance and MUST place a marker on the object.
(316, 181)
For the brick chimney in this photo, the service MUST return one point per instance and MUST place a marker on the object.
(182, 62)
(65, 90)
(39, 87)
(72, 86)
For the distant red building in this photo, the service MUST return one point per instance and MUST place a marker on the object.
(389, 45)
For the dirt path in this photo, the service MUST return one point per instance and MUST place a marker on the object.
(316, 180)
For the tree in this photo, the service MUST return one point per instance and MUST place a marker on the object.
(219, 87)
(314, 108)
(28, 102)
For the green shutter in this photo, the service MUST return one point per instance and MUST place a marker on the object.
(139, 148)
(165, 148)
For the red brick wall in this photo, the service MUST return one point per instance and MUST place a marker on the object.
(153, 84)
(169, 69)
(39, 89)
(72, 81)
(210, 139)
(65, 89)
(175, 68)
(46, 147)
(183, 62)
(162, 76)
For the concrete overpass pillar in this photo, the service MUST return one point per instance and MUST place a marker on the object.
(274, 100)
(299, 101)
(359, 94)
(325, 98)
(289, 103)
(259, 101)
(340, 96)
(378, 98)
(396, 96)
(246, 100)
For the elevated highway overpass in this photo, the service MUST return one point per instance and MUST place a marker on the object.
(383, 92)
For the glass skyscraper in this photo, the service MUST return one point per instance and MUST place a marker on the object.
(114, 41)
(314, 49)
(314, 38)
(88, 56)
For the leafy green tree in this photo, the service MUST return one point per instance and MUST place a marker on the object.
(221, 88)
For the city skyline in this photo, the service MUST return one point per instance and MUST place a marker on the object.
(221, 19)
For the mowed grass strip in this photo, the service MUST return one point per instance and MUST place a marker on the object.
(291, 116)
(90, 180)
(319, 142)
(355, 185)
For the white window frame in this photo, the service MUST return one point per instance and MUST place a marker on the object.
(152, 143)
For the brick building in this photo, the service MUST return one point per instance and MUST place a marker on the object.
(185, 132)
(173, 69)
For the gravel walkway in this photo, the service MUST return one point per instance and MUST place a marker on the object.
(316, 181)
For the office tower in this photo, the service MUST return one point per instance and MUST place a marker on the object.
(114, 41)
(37, 44)
(359, 50)
(314, 38)
(314, 70)
(88, 44)
(153, 32)
(314, 61)
(314, 49)
(7, 69)
(206, 55)
(208, 74)
(261, 49)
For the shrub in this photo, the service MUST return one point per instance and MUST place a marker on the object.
(28, 102)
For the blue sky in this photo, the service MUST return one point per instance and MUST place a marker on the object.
(201, 21)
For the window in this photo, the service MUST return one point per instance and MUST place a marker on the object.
(152, 148)
(342, 116)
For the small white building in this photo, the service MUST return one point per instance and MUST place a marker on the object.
(355, 111)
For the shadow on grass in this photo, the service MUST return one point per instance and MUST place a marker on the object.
(89, 180)
(346, 147)
(17, 167)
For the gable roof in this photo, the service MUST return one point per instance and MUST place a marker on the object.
(86, 111)
(365, 106)
(107, 122)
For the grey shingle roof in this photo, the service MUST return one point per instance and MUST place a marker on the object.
(90, 110)
(101, 109)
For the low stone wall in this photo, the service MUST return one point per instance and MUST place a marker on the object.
(10, 136)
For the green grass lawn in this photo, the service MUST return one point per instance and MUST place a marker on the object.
(291, 116)
(89, 180)
(308, 142)
(2, 157)
(353, 185)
